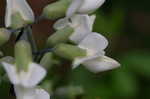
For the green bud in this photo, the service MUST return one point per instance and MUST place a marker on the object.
(69, 52)
(23, 55)
(4, 35)
(61, 36)
(17, 21)
(47, 60)
(56, 10)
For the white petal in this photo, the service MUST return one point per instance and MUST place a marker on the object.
(91, 22)
(74, 6)
(30, 93)
(78, 35)
(82, 27)
(34, 75)
(90, 6)
(94, 43)
(61, 23)
(42, 94)
(25, 93)
(12, 73)
(20, 6)
(101, 64)
(81, 60)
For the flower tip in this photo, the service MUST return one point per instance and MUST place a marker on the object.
(101, 64)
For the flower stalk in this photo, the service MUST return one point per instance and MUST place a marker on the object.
(73, 42)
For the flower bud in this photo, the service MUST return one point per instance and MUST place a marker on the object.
(4, 35)
(61, 36)
(23, 55)
(69, 52)
(56, 10)
(47, 60)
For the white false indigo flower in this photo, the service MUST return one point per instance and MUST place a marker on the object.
(83, 6)
(95, 61)
(24, 72)
(82, 25)
(27, 78)
(18, 14)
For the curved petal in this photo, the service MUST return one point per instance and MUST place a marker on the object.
(90, 5)
(12, 73)
(78, 35)
(34, 75)
(24, 93)
(81, 60)
(42, 94)
(20, 6)
(91, 22)
(82, 26)
(74, 6)
(8, 13)
(101, 64)
(30, 93)
(94, 43)
(61, 23)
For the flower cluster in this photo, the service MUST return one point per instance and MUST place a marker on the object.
(74, 40)
(93, 43)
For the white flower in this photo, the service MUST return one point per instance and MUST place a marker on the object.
(18, 6)
(95, 61)
(82, 25)
(83, 6)
(30, 93)
(27, 79)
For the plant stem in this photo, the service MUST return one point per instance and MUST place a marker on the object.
(31, 39)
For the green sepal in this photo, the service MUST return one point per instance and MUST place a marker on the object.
(4, 35)
(23, 55)
(56, 10)
(69, 51)
(61, 36)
